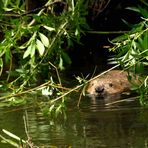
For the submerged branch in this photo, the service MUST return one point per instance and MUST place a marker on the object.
(123, 100)
(107, 32)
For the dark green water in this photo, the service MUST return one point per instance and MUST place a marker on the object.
(91, 126)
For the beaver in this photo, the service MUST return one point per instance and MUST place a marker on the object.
(111, 83)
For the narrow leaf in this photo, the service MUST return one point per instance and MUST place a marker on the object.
(27, 52)
(49, 28)
(51, 108)
(61, 64)
(32, 50)
(31, 39)
(66, 58)
(44, 39)
(1, 66)
(40, 47)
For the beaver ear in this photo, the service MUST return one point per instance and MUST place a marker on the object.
(110, 85)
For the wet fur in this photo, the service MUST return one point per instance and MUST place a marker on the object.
(114, 82)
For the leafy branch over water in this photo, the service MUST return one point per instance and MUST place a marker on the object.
(33, 48)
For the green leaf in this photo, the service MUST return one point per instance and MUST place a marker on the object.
(58, 109)
(145, 40)
(51, 108)
(23, 46)
(139, 67)
(61, 64)
(120, 38)
(143, 12)
(30, 51)
(1, 6)
(44, 39)
(49, 28)
(66, 57)
(1, 65)
(32, 38)
(40, 47)
(1, 62)
(133, 9)
(27, 52)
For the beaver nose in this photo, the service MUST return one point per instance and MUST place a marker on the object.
(99, 89)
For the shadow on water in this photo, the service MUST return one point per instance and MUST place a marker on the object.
(93, 125)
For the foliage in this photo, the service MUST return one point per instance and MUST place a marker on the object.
(132, 51)
(34, 44)
(45, 38)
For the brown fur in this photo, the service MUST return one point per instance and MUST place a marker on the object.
(113, 82)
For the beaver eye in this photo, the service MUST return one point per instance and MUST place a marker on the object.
(110, 84)
(92, 84)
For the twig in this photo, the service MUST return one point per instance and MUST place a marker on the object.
(29, 142)
(123, 100)
(80, 97)
(77, 87)
(107, 32)
(65, 94)
(41, 11)
(59, 79)
(33, 89)
(103, 73)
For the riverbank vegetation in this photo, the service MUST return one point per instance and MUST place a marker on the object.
(36, 42)
(132, 51)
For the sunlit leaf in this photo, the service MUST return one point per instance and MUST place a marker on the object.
(30, 51)
(133, 9)
(146, 82)
(23, 46)
(1, 65)
(61, 64)
(76, 32)
(31, 39)
(40, 47)
(8, 9)
(44, 39)
(51, 108)
(1, 62)
(27, 52)
(49, 28)
(58, 109)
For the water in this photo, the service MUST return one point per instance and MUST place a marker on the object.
(93, 125)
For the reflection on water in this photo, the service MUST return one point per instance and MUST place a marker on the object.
(93, 125)
(11, 121)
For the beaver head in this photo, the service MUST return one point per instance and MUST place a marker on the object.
(114, 82)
